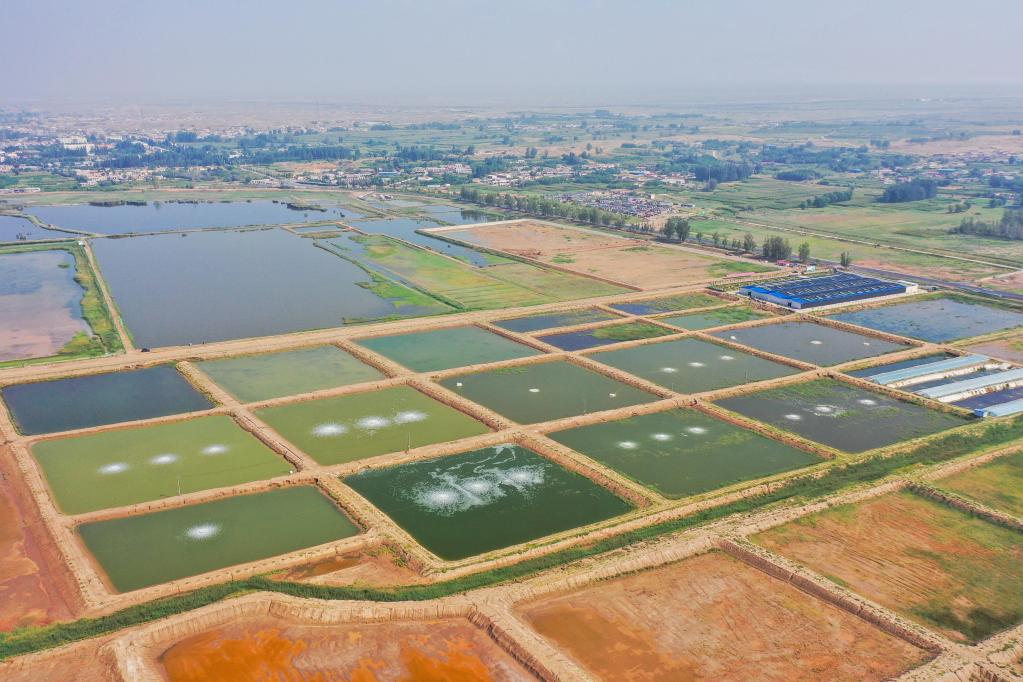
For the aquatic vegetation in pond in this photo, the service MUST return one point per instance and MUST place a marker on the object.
(534, 323)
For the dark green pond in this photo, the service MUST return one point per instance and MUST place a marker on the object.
(80, 402)
(542, 392)
(149, 549)
(475, 502)
(683, 452)
(809, 342)
(447, 348)
(692, 365)
(840, 415)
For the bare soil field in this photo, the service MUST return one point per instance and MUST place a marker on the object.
(378, 567)
(636, 262)
(714, 617)
(934, 564)
(30, 592)
(1007, 348)
(82, 661)
(450, 650)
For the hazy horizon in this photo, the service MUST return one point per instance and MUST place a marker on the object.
(458, 53)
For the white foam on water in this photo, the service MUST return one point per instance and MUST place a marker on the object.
(458, 383)
(816, 342)
(866, 343)
(825, 409)
(726, 357)
(628, 444)
(329, 429)
(696, 430)
(451, 493)
(113, 468)
(828, 410)
(733, 337)
(794, 417)
(525, 475)
(694, 363)
(166, 458)
(215, 449)
(478, 486)
(534, 390)
(867, 401)
(442, 496)
(409, 416)
(612, 395)
(203, 531)
(662, 437)
(373, 423)
(669, 370)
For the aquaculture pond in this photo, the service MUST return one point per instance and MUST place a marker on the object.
(668, 304)
(273, 375)
(532, 323)
(127, 466)
(605, 336)
(683, 452)
(355, 426)
(156, 216)
(97, 399)
(406, 229)
(475, 502)
(845, 417)
(447, 348)
(185, 541)
(937, 320)
(40, 304)
(692, 365)
(212, 286)
(810, 342)
(15, 229)
(715, 318)
(545, 391)
(459, 216)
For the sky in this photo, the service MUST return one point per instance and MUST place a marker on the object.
(459, 52)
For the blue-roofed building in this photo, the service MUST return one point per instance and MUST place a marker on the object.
(811, 292)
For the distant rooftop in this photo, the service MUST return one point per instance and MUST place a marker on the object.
(808, 292)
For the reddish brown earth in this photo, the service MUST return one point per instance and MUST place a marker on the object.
(450, 650)
(1008, 348)
(713, 617)
(31, 593)
(375, 568)
(80, 662)
(944, 568)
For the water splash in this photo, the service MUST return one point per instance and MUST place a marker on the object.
(669, 370)
(373, 423)
(726, 358)
(113, 468)
(867, 401)
(534, 390)
(662, 437)
(815, 342)
(696, 430)
(696, 363)
(203, 531)
(215, 449)
(794, 417)
(628, 444)
(166, 458)
(329, 429)
(409, 416)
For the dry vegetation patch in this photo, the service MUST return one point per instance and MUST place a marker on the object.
(950, 571)
(713, 617)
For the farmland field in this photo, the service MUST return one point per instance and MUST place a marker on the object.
(934, 564)
(692, 621)
(998, 484)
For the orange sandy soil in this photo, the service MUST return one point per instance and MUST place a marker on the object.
(374, 568)
(650, 265)
(714, 617)
(1008, 348)
(30, 592)
(450, 650)
(77, 663)
(934, 564)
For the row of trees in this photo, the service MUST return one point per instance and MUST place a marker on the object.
(823, 200)
(545, 208)
(677, 227)
(1009, 227)
(914, 190)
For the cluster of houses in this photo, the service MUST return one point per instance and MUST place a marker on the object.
(619, 201)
